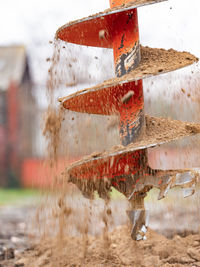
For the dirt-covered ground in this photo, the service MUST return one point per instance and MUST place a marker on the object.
(173, 238)
(117, 249)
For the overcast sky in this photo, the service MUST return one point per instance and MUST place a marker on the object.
(34, 21)
(174, 23)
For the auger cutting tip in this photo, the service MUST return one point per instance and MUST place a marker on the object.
(163, 192)
(187, 192)
(139, 220)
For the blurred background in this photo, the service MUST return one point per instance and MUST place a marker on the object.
(26, 48)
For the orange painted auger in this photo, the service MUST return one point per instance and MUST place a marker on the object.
(126, 167)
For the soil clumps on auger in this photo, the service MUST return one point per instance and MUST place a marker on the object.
(124, 167)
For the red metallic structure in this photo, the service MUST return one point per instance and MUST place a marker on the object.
(126, 168)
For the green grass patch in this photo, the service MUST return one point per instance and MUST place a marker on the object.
(18, 196)
(115, 195)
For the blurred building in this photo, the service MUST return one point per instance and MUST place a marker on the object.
(16, 113)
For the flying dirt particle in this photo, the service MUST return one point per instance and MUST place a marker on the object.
(96, 57)
(64, 47)
(109, 211)
(112, 123)
(67, 211)
(188, 95)
(51, 42)
(60, 202)
(72, 118)
(192, 129)
(111, 162)
(127, 97)
(48, 59)
(126, 169)
(51, 130)
(183, 90)
(95, 154)
(102, 34)
(70, 65)
(70, 84)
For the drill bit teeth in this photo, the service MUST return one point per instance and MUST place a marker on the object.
(166, 180)
(138, 220)
(186, 180)
(187, 192)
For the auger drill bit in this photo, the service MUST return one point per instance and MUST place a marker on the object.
(126, 167)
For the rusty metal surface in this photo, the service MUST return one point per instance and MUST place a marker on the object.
(125, 42)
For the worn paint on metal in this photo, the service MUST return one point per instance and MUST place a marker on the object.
(122, 171)
(125, 37)
(125, 100)
(126, 50)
